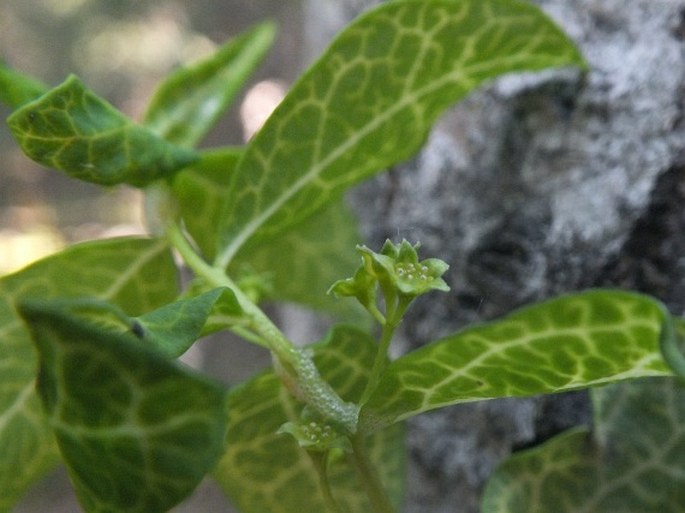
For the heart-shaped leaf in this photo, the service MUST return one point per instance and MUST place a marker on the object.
(136, 274)
(136, 430)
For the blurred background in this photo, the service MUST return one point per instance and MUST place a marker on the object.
(121, 49)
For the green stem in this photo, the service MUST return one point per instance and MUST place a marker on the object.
(379, 361)
(249, 335)
(668, 340)
(308, 385)
(320, 463)
(259, 322)
(380, 502)
(396, 311)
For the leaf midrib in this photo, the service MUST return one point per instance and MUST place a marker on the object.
(498, 348)
(17, 406)
(461, 75)
(144, 258)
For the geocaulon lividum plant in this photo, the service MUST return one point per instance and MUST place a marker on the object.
(90, 336)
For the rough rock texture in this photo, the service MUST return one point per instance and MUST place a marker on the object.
(530, 188)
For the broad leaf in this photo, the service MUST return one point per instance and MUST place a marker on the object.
(672, 344)
(300, 264)
(371, 99)
(634, 461)
(187, 104)
(571, 342)
(73, 130)
(137, 274)
(17, 89)
(173, 328)
(201, 190)
(265, 471)
(136, 430)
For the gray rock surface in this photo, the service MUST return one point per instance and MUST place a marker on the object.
(533, 187)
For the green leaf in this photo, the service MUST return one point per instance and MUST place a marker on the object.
(265, 471)
(73, 130)
(201, 192)
(136, 430)
(173, 328)
(300, 264)
(371, 99)
(187, 104)
(571, 342)
(17, 89)
(634, 461)
(672, 344)
(137, 274)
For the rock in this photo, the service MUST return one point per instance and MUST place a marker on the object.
(532, 187)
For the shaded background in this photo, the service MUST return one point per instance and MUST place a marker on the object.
(121, 49)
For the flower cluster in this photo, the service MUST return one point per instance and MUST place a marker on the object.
(398, 273)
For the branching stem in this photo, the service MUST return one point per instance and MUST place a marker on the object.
(259, 322)
(298, 364)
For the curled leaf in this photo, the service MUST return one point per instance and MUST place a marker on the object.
(72, 129)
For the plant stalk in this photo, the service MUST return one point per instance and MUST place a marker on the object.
(394, 316)
(261, 324)
(379, 362)
(303, 378)
(380, 502)
(320, 463)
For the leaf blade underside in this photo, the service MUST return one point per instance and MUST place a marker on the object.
(136, 274)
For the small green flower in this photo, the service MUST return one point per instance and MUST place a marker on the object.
(315, 435)
(397, 267)
(362, 286)
(398, 272)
